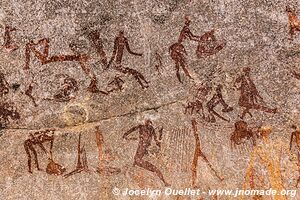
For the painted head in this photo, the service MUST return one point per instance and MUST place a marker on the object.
(240, 125)
(294, 127)
(187, 20)
(148, 122)
(247, 70)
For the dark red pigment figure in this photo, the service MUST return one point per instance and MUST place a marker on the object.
(137, 75)
(295, 139)
(146, 135)
(8, 112)
(43, 56)
(158, 66)
(197, 104)
(178, 52)
(198, 153)
(66, 92)
(249, 96)
(103, 167)
(209, 45)
(116, 84)
(28, 92)
(242, 134)
(8, 44)
(216, 100)
(82, 164)
(97, 42)
(295, 74)
(293, 21)
(1, 128)
(38, 139)
(120, 44)
(4, 86)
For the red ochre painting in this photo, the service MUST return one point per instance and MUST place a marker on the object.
(158, 100)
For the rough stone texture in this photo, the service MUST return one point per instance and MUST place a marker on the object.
(256, 35)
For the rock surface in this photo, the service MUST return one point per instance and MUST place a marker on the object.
(48, 92)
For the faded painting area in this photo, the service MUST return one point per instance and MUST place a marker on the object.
(101, 97)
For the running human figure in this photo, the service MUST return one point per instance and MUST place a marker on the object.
(178, 52)
(120, 44)
(146, 135)
(249, 96)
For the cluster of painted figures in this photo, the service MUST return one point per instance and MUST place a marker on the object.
(259, 139)
(249, 99)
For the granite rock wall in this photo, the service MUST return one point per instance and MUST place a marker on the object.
(147, 94)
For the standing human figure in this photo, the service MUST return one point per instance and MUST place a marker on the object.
(178, 52)
(198, 153)
(103, 165)
(120, 44)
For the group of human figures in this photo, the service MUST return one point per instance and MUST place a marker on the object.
(146, 134)
(207, 45)
(249, 99)
(268, 152)
(41, 51)
(42, 138)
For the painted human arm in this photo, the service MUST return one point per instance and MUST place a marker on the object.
(125, 136)
(130, 51)
(157, 141)
(191, 36)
